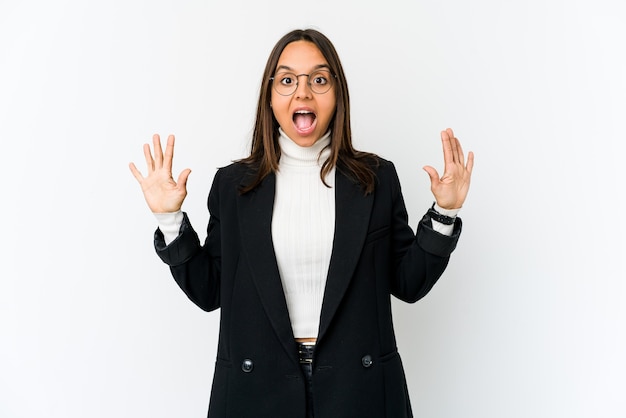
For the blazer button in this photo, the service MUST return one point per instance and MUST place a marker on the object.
(367, 361)
(247, 365)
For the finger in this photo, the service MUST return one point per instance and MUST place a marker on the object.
(450, 132)
(432, 173)
(136, 173)
(169, 153)
(158, 151)
(148, 156)
(446, 143)
(453, 144)
(470, 162)
(461, 155)
(182, 178)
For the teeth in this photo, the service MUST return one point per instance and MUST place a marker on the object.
(303, 112)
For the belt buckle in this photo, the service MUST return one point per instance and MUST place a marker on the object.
(305, 352)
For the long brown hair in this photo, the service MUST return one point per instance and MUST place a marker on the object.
(265, 151)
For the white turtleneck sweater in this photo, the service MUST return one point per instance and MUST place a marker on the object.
(303, 227)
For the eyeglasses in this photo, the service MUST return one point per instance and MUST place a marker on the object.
(286, 83)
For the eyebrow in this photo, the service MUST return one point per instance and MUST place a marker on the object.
(287, 68)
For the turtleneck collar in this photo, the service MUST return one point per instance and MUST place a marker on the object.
(294, 154)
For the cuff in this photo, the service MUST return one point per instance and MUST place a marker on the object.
(435, 242)
(169, 224)
(185, 246)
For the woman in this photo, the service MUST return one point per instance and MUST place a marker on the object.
(307, 240)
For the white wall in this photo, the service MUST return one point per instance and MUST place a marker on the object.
(529, 319)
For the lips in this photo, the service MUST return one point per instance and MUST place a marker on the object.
(304, 121)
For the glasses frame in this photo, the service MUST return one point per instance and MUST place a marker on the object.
(332, 79)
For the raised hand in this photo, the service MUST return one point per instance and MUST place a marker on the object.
(161, 192)
(451, 189)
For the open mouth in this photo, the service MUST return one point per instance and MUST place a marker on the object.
(304, 121)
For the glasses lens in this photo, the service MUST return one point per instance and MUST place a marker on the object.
(320, 81)
(285, 83)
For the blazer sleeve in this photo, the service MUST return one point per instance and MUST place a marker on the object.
(419, 259)
(196, 268)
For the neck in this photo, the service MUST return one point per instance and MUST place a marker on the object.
(294, 154)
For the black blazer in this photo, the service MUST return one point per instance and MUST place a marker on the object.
(357, 371)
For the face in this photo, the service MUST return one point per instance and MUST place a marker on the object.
(305, 115)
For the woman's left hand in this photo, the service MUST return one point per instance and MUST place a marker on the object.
(451, 189)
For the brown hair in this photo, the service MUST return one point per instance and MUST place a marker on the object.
(265, 151)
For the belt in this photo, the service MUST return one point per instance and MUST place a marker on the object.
(305, 352)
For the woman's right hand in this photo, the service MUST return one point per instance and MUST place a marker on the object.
(161, 192)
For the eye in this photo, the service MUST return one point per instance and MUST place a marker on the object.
(320, 79)
(286, 79)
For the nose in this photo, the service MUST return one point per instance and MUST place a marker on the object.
(303, 89)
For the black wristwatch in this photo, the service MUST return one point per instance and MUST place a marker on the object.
(446, 220)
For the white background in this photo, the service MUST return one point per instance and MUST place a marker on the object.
(529, 320)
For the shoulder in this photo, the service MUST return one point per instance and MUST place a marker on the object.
(375, 162)
(368, 170)
(383, 164)
(387, 181)
(226, 187)
(385, 169)
(233, 173)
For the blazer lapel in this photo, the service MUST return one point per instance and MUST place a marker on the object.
(352, 214)
(255, 209)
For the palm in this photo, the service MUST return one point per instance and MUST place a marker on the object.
(161, 192)
(451, 189)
